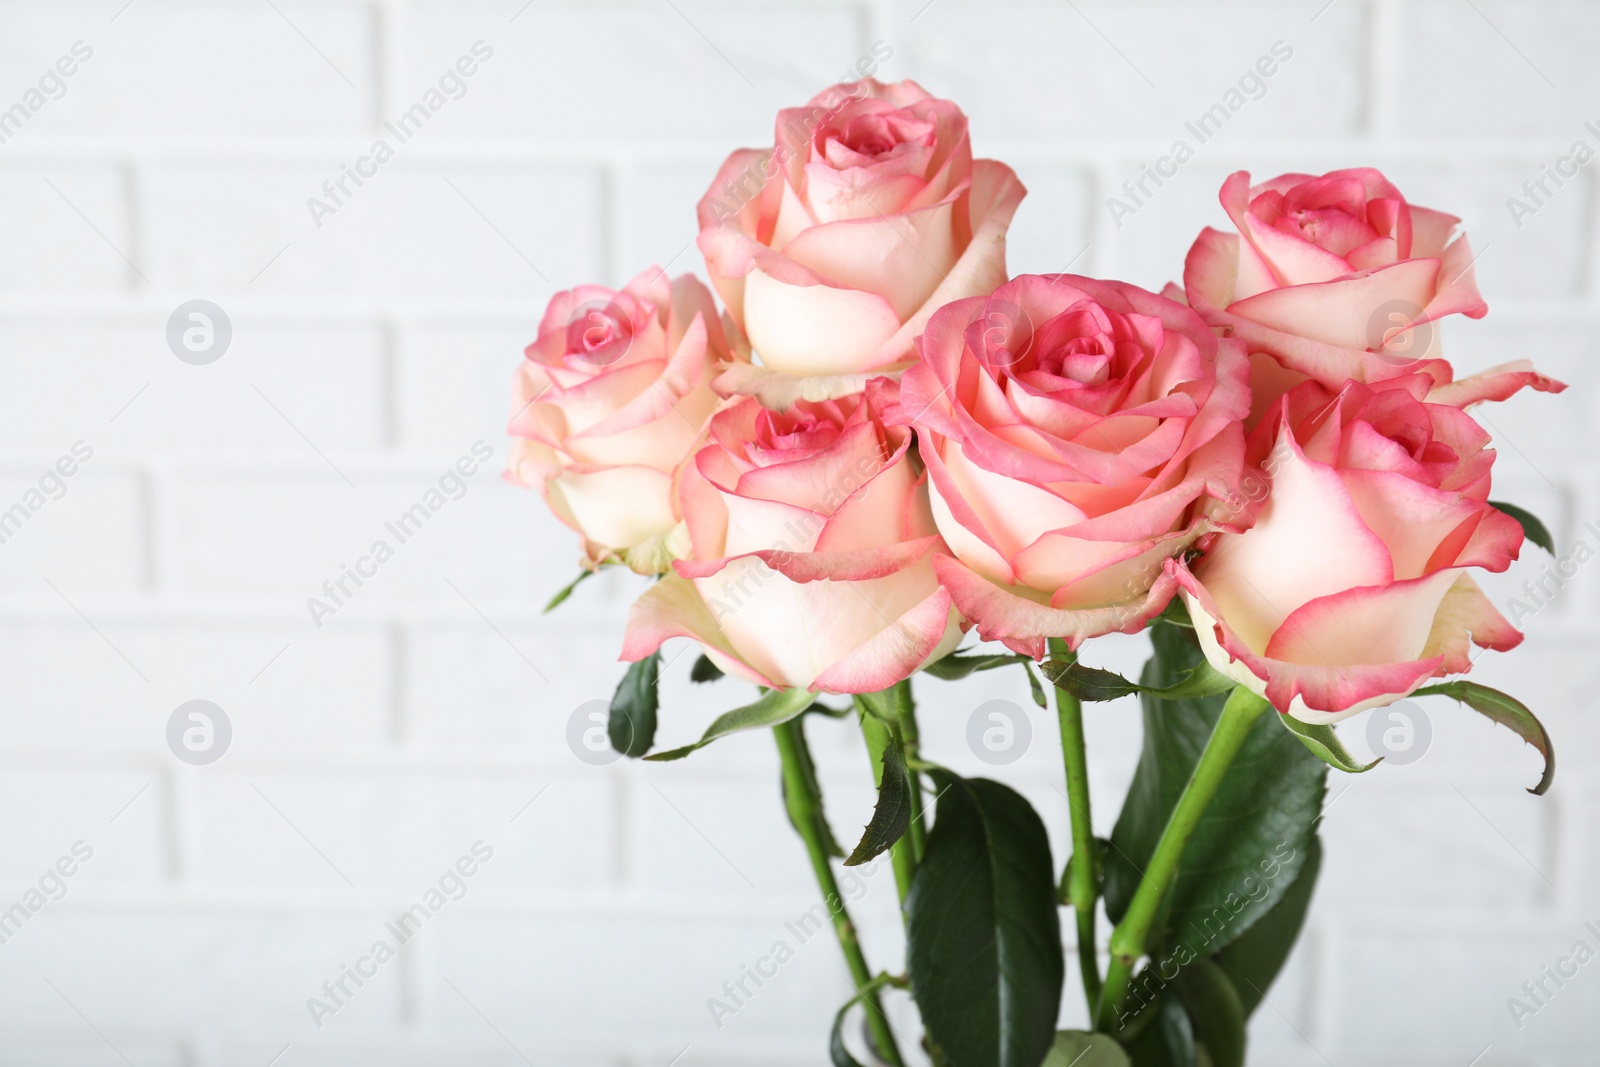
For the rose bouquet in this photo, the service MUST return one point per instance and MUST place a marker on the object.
(884, 444)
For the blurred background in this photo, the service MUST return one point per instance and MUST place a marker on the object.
(348, 358)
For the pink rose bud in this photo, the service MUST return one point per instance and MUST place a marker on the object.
(1337, 278)
(832, 247)
(813, 551)
(1353, 587)
(1077, 433)
(611, 398)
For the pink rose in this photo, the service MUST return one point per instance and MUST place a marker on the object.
(1337, 278)
(1076, 433)
(831, 248)
(611, 398)
(1352, 588)
(813, 552)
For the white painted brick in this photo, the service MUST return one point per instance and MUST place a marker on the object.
(409, 726)
(178, 68)
(468, 688)
(533, 976)
(1052, 226)
(1486, 846)
(1134, 69)
(72, 237)
(85, 534)
(400, 831)
(485, 541)
(657, 214)
(1530, 74)
(192, 967)
(1444, 991)
(137, 1050)
(327, 377)
(329, 689)
(55, 807)
(463, 373)
(506, 230)
(704, 70)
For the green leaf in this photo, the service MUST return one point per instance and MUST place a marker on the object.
(1177, 613)
(566, 591)
(774, 707)
(632, 725)
(1168, 1040)
(704, 670)
(1099, 847)
(958, 665)
(1324, 744)
(1533, 529)
(1077, 1048)
(1034, 687)
(1215, 1012)
(837, 1052)
(892, 816)
(983, 936)
(1254, 959)
(1254, 836)
(1092, 683)
(1507, 711)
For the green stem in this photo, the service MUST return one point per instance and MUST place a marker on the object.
(805, 810)
(1128, 939)
(878, 734)
(905, 710)
(1082, 884)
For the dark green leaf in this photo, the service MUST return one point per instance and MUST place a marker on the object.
(1532, 528)
(1177, 613)
(704, 670)
(1064, 891)
(1092, 683)
(1507, 711)
(958, 665)
(1324, 744)
(1215, 1012)
(1254, 959)
(1254, 836)
(632, 725)
(566, 591)
(1076, 1048)
(1034, 688)
(984, 939)
(1168, 1040)
(837, 1052)
(892, 816)
(774, 707)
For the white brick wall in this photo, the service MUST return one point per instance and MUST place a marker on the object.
(372, 351)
